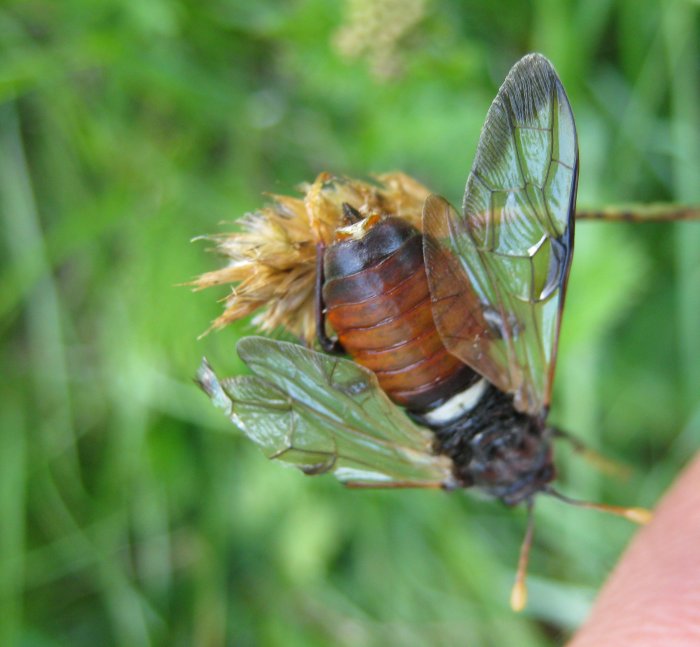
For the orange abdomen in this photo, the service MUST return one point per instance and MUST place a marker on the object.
(378, 301)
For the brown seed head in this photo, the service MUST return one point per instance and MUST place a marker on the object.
(272, 254)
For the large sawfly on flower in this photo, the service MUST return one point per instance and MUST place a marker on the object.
(450, 318)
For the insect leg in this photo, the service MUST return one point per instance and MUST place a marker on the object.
(397, 485)
(518, 595)
(639, 516)
(602, 463)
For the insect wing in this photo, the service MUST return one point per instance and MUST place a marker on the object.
(325, 414)
(498, 271)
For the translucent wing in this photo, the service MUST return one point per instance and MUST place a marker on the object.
(498, 271)
(325, 414)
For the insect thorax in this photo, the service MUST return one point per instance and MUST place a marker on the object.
(496, 448)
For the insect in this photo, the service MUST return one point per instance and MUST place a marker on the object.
(454, 316)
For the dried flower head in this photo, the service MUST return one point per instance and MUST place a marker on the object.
(272, 254)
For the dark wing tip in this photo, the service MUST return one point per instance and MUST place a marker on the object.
(529, 86)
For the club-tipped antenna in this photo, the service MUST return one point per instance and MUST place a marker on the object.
(518, 594)
(637, 515)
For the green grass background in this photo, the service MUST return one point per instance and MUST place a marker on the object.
(131, 512)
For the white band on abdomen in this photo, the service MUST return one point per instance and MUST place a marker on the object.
(458, 404)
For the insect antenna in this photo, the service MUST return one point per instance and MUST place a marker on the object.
(637, 515)
(518, 594)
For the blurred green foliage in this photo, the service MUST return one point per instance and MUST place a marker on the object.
(131, 513)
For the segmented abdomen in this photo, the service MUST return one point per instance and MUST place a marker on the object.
(377, 299)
